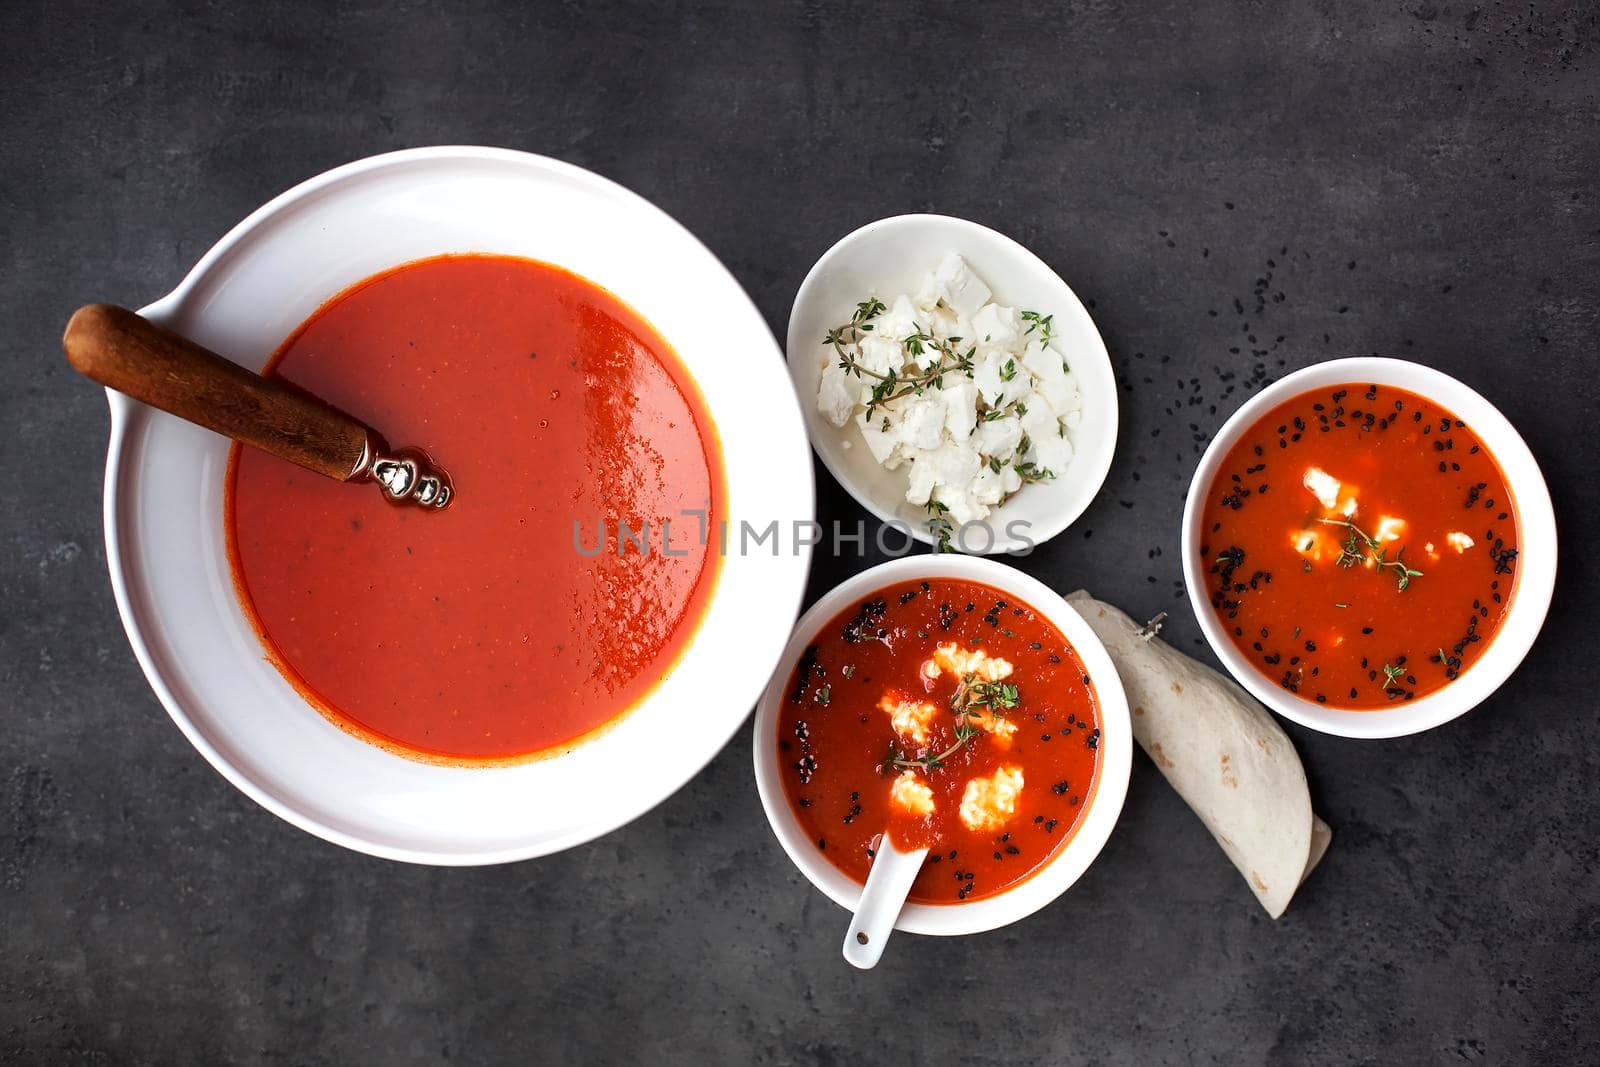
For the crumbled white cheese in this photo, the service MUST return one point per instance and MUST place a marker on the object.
(911, 795)
(897, 323)
(997, 328)
(947, 473)
(989, 399)
(951, 657)
(991, 488)
(836, 397)
(1324, 486)
(1308, 543)
(1389, 528)
(1457, 540)
(1048, 447)
(987, 803)
(979, 665)
(881, 354)
(960, 398)
(922, 423)
(961, 289)
(911, 719)
(999, 437)
(882, 441)
(990, 722)
(1001, 377)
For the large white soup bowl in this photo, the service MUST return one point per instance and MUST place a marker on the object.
(164, 507)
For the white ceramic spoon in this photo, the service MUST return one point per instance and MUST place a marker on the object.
(888, 883)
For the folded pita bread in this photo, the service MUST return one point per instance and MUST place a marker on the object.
(1221, 751)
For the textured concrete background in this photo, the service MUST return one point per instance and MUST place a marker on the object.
(1418, 178)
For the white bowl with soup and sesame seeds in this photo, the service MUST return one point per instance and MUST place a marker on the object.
(955, 704)
(1369, 547)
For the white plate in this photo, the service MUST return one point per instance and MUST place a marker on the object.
(1536, 558)
(164, 528)
(889, 257)
(1105, 804)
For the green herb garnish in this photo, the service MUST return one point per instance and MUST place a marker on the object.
(894, 384)
(1359, 546)
(970, 701)
(939, 525)
(1042, 323)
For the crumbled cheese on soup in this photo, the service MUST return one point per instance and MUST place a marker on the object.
(959, 661)
(970, 395)
(1001, 727)
(911, 719)
(982, 667)
(911, 795)
(1389, 528)
(1324, 486)
(987, 803)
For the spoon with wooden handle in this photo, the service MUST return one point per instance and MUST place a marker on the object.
(122, 351)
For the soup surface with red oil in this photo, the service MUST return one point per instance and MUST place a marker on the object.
(950, 716)
(482, 632)
(1360, 546)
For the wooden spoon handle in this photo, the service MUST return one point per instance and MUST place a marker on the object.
(122, 351)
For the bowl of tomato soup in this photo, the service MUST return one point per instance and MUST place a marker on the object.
(492, 631)
(1369, 547)
(575, 635)
(955, 704)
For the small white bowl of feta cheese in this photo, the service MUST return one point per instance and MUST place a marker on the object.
(953, 383)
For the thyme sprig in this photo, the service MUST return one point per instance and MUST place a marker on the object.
(896, 383)
(1359, 546)
(940, 526)
(971, 700)
(1029, 471)
(1044, 324)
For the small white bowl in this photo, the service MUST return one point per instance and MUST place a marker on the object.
(889, 257)
(165, 540)
(1536, 560)
(1111, 778)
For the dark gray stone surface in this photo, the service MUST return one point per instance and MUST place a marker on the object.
(1421, 174)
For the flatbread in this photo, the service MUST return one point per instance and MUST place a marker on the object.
(1222, 752)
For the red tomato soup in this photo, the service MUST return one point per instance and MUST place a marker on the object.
(481, 632)
(949, 716)
(1360, 545)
